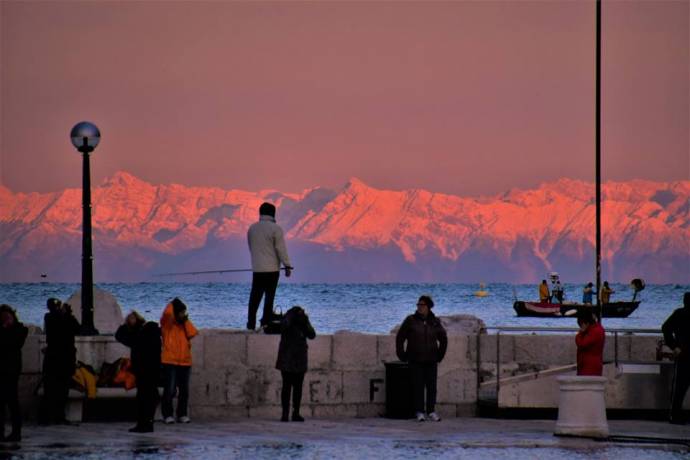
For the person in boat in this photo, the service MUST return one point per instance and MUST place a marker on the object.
(427, 343)
(606, 292)
(587, 294)
(558, 292)
(544, 294)
(268, 251)
(144, 340)
(590, 344)
(676, 331)
(292, 359)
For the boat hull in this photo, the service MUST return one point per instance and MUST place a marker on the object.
(555, 310)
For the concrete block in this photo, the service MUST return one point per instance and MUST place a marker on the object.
(320, 350)
(488, 343)
(334, 410)
(450, 386)
(201, 412)
(272, 412)
(364, 387)
(238, 378)
(371, 410)
(262, 350)
(198, 347)
(208, 388)
(115, 350)
(386, 348)
(224, 350)
(457, 354)
(31, 354)
(107, 313)
(549, 350)
(323, 388)
(643, 347)
(446, 410)
(259, 386)
(352, 351)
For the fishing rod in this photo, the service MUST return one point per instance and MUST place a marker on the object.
(206, 272)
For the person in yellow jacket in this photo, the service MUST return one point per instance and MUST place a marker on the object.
(177, 332)
(544, 294)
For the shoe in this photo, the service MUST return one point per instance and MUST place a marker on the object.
(168, 420)
(297, 418)
(420, 417)
(183, 419)
(434, 417)
(142, 429)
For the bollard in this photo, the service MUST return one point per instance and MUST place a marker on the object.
(582, 407)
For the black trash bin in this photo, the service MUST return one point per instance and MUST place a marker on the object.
(399, 397)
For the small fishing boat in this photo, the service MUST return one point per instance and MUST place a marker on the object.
(569, 310)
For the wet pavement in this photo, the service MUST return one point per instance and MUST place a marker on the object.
(352, 438)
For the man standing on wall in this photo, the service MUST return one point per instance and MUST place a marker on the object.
(677, 337)
(268, 251)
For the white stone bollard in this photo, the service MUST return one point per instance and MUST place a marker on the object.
(582, 407)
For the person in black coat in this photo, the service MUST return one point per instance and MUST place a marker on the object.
(144, 339)
(292, 359)
(12, 337)
(59, 360)
(426, 346)
(676, 331)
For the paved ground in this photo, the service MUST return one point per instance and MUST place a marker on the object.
(352, 438)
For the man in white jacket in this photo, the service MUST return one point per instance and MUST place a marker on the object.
(268, 250)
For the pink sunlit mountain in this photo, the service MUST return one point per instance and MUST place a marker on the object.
(357, 234)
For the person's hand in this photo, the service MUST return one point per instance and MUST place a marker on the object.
(288, 271)
(583, 327)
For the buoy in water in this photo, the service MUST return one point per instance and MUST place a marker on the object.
(481, 292)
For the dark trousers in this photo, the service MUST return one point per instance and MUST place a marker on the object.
(55, 393)
(292, 381)
(147, 399)
(424, 378)
(262, 283)
(681, 382)
(9, 398)
(176, 378)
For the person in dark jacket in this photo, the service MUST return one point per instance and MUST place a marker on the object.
(590, 343)
(292, 359)
(144, 340)
(12, 337)
(59, 360)
(676, 331)
(426, 346)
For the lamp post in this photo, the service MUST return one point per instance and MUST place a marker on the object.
(85, 137)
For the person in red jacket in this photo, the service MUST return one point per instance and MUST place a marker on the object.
(590, 344)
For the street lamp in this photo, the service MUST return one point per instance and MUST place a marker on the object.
(85, 137)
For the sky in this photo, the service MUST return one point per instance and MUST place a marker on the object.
(469, 98)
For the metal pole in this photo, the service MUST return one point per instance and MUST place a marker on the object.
(87, 326)
(598, 156)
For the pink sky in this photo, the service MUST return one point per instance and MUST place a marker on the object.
(458, 97)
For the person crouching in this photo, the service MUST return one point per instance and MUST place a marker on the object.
(144, 340)
(292, 359)
(426, 346)
(177, 331)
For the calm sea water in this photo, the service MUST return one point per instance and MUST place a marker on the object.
(371, 308)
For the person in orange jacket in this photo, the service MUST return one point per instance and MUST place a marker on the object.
(177, 332)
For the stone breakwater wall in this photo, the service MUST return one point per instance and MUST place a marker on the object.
(234, 373)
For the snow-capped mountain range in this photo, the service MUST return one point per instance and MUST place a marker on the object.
(356, 234)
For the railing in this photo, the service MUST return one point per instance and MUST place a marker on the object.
(499, 329)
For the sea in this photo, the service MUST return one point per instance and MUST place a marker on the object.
(367, 308)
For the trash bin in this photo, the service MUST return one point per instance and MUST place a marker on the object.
(399, 397)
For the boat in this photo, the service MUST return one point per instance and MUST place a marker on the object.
(549, 309)
(569, 310)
